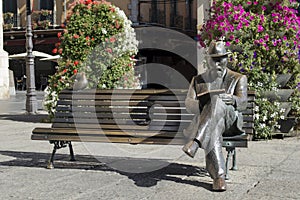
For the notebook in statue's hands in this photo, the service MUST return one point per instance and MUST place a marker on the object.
(210, 93)
(205, 96)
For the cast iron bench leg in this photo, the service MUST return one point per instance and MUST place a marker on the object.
(50, 162)
(230, 151)
(59, 145)
(72, 157)
(234, 166)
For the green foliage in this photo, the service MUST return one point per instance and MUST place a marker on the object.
(98, 40)
(264, 37)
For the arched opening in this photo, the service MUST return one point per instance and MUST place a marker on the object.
(163, 69)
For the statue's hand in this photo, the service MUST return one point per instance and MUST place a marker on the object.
(227, 98)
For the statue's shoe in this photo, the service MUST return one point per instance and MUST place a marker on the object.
(191, 148)
(219, 184)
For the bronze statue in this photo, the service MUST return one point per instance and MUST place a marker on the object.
(216, 97)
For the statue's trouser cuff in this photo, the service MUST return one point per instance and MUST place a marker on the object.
(215, 163)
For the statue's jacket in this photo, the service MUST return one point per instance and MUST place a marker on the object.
(234, 83)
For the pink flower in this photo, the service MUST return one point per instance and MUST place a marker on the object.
(261, 40)
(284, 38)
(260, 28)
(228, 44)
(263, 8)
(266, 37)
(249, 2)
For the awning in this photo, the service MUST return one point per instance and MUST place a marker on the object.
(34, 53)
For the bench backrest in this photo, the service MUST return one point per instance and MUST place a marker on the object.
(159, 115)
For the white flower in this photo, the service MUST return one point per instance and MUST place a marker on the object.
(263, 125)
(275, 89)
(264, 118)
(256, 116)
(256, 108)
(104, 31)
(277, 104)
(259, 84)
(281, 116)
(282, 110)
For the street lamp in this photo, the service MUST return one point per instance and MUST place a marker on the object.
(31, 102)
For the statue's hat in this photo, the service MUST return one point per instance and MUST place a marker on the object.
(217, 49)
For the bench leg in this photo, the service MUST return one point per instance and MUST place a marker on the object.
(230, 152)
(234, 166)
(72, 157)
(59, 145)
(50, 162)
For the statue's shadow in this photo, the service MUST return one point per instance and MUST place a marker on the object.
(144, 172)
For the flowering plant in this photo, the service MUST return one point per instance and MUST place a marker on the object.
(264, 37)
(98, 40)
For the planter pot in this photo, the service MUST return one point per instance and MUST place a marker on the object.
(287, 106)
(280, 95)
(287, 124)
(282, 79)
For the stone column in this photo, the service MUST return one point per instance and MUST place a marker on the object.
(202, 15)
(4, 72)
(54, 13)
(134, 8)
(12, 87)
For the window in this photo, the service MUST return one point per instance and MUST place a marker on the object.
(173, 12)
(10, 6)
(46, 5)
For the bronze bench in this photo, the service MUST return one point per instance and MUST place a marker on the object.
(150, 116)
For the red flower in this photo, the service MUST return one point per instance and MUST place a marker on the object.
(93, 38)
(112, 39)
(65, 70)
(87, 37)
(75, 71)
(59, 34)
(60, 51)
(57, 44)
(109, 50)
(75, 36)
(76, 62)
(88, 2)
(112, 9)
(54, 50)
(62, 25)
(117, 25)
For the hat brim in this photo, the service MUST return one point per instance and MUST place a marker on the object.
(219, 55)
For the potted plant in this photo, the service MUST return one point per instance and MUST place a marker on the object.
(8, 20)
(264, 38)
(41, 19)
(98, 40)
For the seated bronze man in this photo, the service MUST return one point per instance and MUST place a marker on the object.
(216, 97)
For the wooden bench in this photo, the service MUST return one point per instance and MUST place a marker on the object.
(150, 116)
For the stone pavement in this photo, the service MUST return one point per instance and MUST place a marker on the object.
(267, 169)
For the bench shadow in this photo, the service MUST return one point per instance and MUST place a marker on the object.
(176, 172)
(38, 118)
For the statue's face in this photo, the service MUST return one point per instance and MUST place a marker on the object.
(218, 65)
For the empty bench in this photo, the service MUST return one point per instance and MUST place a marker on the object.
(150, 116)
